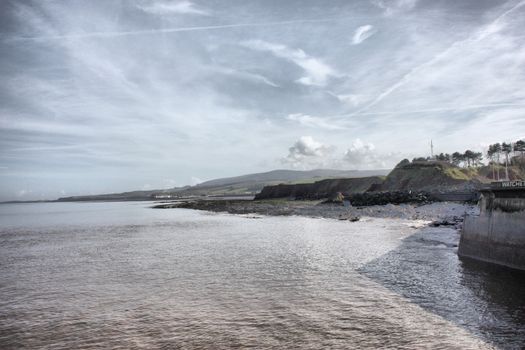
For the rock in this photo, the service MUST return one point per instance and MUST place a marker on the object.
(336, 198)
(319, 189)
(390, 197)
(455, 221)
(403, 163)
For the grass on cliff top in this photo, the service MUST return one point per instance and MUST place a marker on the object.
(460, 174)
(482, 173)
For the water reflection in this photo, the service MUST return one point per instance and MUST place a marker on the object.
(486, 300)
(118, 275)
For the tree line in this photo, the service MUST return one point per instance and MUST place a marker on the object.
(495, 154)
(468, 158)
(495, 151)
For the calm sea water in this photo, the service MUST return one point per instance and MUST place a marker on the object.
(124, 276)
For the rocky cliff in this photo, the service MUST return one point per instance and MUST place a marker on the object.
(431, 176)
(320, 189)
(405, 182)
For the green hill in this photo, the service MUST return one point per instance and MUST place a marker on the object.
(431, 176)
(240, 185)
(418, 176)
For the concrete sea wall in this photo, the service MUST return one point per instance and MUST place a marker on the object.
(497, 235)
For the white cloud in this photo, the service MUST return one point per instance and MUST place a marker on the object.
(317, 71)
(362, 33)
(172, 7)
(363, 155)
(308, 153)
(95, 105)
(306, 146)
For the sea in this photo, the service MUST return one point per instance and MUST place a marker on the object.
(122, 275)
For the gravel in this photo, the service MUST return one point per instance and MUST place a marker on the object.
(439, 213)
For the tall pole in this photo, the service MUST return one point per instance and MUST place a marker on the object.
(431, 149)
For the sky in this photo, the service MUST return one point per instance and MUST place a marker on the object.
(101, 96)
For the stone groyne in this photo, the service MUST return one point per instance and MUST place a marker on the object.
(497, 235)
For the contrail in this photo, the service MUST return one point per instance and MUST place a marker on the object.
(479, 35)
(179, 29)
(429, 110)
(458, 108)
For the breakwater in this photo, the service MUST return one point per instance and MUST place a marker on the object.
(497, 235)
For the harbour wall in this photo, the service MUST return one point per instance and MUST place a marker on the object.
(497, 235)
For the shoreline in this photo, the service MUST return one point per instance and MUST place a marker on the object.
(437, 213)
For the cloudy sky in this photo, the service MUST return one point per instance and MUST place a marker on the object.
(113, 95)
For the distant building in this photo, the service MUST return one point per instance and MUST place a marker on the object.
(162, 196)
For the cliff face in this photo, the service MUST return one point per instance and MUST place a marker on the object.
(320, 189)
(430, 176)
(407, 177)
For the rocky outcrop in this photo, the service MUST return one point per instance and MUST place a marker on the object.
(430, 176)
(408, 182)
(392, 197)
(320, 189)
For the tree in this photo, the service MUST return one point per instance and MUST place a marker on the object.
(491, 152)
(519, 146)
(457, 158)
(469, 157)
(497, 152)
(507, 149)
(442, 157)
(478, 156)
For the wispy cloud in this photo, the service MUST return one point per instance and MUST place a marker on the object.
(89, 94)
(315, 122)
(317, 71)
(391, 7)
(362, 33)
(172, 7)
(248, 76)
(52, 35)
(456, 50)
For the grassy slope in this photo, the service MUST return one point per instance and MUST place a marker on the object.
(443, 176)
